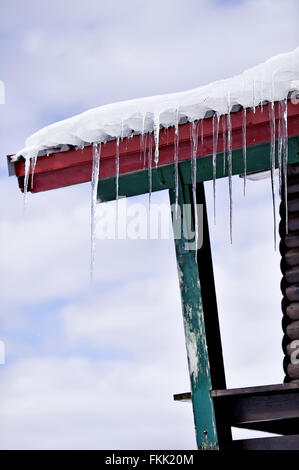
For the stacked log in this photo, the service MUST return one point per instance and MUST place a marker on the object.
(289, 249)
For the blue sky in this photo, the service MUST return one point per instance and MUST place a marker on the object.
(97, 368)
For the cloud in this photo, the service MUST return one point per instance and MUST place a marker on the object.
(102, 370)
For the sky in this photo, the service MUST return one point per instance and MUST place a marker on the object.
(96, 368)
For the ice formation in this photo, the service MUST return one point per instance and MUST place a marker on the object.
(270, 81)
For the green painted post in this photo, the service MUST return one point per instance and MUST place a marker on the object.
(195, 335)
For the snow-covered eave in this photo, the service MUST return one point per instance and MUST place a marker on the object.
(74, 166)
(271, 81)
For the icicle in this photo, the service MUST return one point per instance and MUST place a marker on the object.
(253, 97)
(176, 160)
(285, 157)
(224, 141)
(157, 136)
(96, 154)
(193, 179)
(201, 131)
(33, 166)
(244, 143)
(272, 162)
(230, 170)
(262, 95)
(142, 136)
(26, 180)
(116, 182)
(215, 126)
(117, 169)
(144, 149)
(150, 179)
(279, 152)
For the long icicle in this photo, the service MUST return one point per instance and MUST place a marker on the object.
(176, 161)
(96, 158)
(157, 137)
(279, 152)
(224, 141)
(116, 182)
(244, 145)
(150, 175)
(285, 158)
(194, 180)
(33, 166)
(215, 126)
(229, 158)
(272, 162)
(26, 180)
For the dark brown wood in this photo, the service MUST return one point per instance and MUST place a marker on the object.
(293, 372)
(292, 311)
(182, 396)
(293, 222)
(293, 204)
(292, 256)
(293, 330)
(292, 293)
(292, 240)
(272, 408)
(292, 275)
(266, 443)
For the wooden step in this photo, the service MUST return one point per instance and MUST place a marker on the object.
(270, 408)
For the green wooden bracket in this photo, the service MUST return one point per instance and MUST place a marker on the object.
(133, 184)
(194, 326)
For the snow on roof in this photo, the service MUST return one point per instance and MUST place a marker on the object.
(271, 81)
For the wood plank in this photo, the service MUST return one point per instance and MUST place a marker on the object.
(74, 166)
(194, 327)
(271, 409)
(266, 443)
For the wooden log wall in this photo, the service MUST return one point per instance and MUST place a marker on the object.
(289, 249)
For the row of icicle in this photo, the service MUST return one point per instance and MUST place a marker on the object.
(197, 130)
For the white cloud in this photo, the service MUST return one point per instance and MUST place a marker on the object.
(61, 59)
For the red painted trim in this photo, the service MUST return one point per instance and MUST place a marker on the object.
(74, 166)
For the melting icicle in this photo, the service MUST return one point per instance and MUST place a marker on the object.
(279, 152)
(157, 136)
(272, 162)
(33, 166)
(215, 126)
(230, 170)
(285, 157)
(224, 141)
(150, 173)
(117, 182)
(253, 96)
(244, 144)
(193, 179)
(176, 161)
(142, 136)
(96, 157)
(26, 180)
(201, 131)
(262, 94)
(117, 169)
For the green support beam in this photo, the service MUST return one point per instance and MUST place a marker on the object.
(133, 184)
(194, 325)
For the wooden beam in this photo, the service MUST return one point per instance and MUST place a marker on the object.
(194, 326)
(266, 443)
(74, 166)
